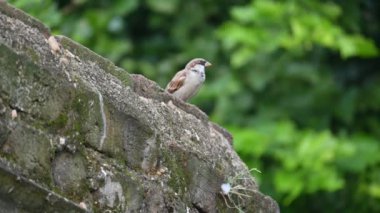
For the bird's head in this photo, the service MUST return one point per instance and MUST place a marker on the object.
(197, 61)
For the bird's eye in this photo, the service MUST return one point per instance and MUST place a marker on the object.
(194, 70)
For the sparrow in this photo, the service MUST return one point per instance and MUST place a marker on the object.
(186, 83)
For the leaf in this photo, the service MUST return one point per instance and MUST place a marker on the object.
(357, 46)
(289, 183)
(163, 6)
(124, 7)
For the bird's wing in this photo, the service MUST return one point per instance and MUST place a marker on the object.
(176, 82)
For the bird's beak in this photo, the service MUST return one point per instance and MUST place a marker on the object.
(208, 64)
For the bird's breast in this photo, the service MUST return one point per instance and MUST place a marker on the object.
(195, 79)
(191, 86)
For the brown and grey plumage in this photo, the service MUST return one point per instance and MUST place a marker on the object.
(186, 83)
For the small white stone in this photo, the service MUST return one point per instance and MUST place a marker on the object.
(197, 137)
(83, 205)
(62, 141)
(226, 188)
(188, 132)
(103, 172)
(14, 114)
(170, 104)
(54, 46)
(69, 54)
(63, 60)
(144, 99)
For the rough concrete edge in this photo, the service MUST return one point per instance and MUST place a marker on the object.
(84, 53)
(22, 185)
(139, 83)
(11, 11)
(223, 131)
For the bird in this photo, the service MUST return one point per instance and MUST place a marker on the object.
(187, 82)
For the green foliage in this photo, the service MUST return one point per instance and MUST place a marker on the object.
(305, 161)
(296, 26)
(296, 81)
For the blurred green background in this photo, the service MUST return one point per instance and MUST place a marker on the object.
(297, 82)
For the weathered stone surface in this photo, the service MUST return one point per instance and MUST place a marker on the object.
(86, 135)
(19, 194)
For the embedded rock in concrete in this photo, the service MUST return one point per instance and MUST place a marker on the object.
(79, 134)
